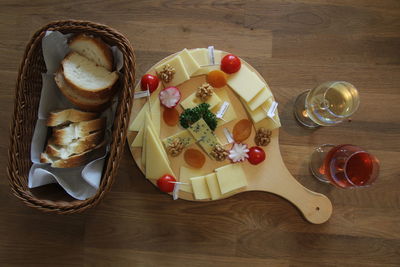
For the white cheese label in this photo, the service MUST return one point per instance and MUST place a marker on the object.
(142, 94)
(224, 107)
(228, 136)
(272, 109)
(211, 55)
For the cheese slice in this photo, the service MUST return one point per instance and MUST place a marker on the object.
(156, 165)
(213, 186)
(189, 62)
(181, 74)
(200, 188)
(205, 70)
(150, 127)
(231, 177)
(201, 56)
(230, 113)
(269, 123)
(156, 122)
(204, 135)
(245, 83)
(185, 136)
(184, 176)
(260, 113)
(138, 122)
(144, 148)
(193, 101)
(260, 98)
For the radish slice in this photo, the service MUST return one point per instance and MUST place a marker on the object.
(239, 152)
(170, 97)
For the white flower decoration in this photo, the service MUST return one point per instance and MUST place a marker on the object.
(238, 152)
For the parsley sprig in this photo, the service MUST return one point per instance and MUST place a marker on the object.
(191, 115)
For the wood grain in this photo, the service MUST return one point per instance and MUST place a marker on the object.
(294, 44)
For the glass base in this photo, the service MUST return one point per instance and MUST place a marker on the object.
(300, 111)
(317, 162)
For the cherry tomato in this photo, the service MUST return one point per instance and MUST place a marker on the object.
(149, 81)
(230, 64)
(164, 183)
(256, 155)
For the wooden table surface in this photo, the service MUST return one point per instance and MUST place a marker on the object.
(295, 45)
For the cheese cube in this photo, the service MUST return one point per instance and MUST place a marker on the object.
(231, 177)
(213, 186)
(184, 176)
(230, 113)
(181, 74)
(193, 101)
(245, 83)
(190, 64)
(185, 136)
(260, 98)
(154, 150)
(204, 135)
(200, 188)
(201, 56)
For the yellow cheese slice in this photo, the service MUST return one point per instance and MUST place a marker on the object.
(260, 113)
(230, 113)
(245, 83)
(144, 147)
(231, 177)
(156, 122)
(213, 186)
(185, 174)
(201, 56)
(181, 74)
(206, 68)
(185, 136)
(193, 101)
(269, 123)
(138, 122)
(150, 127)
(156, 165)
(260, 98)
(200, 188)
(190, 64)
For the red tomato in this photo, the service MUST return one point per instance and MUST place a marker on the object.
(230, 64)
(149, 81)
(164, 183)
(256, 155)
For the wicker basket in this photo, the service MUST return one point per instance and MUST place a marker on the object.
(28, 89)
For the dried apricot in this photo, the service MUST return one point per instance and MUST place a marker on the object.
(171, 116)
(194, 158)
(242, 130)
(217, 78)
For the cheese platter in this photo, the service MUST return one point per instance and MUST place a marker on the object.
(208, 127)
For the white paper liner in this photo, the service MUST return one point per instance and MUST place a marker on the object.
(80, 182)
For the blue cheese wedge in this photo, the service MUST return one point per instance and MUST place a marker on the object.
(204, 136)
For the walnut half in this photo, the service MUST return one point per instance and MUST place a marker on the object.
(219, 153)
(263, 137)
(204, 91)
(167, 74)
(175, 147)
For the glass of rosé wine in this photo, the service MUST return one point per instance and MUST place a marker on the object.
(344, 166)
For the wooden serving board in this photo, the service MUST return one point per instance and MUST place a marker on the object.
(269, 176)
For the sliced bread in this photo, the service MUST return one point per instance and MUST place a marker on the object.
(86, 103)
(73, 160)
(59, 117)
(87, 78)
(76, 146)
(94, 49)
(65, 135)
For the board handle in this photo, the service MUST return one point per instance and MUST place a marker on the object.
(315, 207)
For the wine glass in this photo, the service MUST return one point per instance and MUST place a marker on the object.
(327, 104)
(345, 166)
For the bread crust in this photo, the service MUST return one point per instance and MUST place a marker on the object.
(99, 43)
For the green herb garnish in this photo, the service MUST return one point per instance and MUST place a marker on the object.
(191, 115)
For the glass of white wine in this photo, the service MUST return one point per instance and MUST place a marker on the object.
(327, 104)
